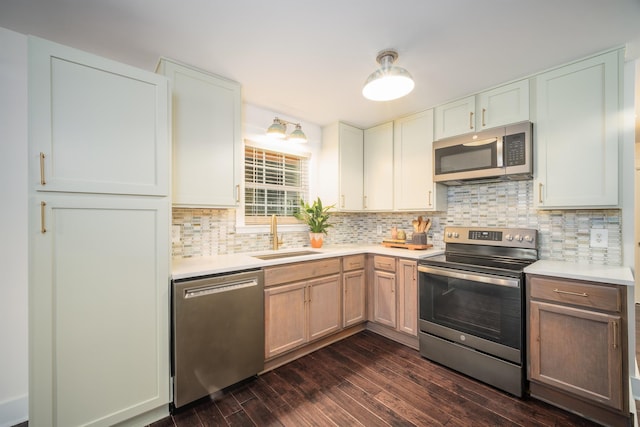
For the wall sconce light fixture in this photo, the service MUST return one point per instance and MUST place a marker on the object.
(279, 130)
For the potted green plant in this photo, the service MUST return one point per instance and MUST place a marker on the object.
(317, 218)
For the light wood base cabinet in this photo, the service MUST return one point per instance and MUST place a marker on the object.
(408, 297)
(302, 310)
(384, 291)
(577, 347)
(354, 290)
(394, 292)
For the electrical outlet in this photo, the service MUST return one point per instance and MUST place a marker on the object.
(599, 238)
(379, 230)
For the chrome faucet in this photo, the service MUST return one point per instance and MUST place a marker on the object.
(274, 233)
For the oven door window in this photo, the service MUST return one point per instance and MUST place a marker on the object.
(488, 311)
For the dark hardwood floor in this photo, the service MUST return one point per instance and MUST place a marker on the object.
(367, 380)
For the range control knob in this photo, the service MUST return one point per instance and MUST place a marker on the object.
(518, 238)
(449, 234)
(528, 238)
(456, 235)
(508, 237)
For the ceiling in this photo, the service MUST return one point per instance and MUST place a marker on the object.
(309, 59)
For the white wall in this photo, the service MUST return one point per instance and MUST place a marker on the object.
(13, 229)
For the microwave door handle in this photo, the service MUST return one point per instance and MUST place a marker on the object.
(500, 152)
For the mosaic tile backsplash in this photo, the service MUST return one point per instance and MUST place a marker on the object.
(563, 235)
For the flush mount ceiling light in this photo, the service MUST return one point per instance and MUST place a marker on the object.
(279, 130)
(389, 81)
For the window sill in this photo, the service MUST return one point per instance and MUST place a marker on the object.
(266, 228)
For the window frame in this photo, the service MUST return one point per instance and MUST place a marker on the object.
(285, 223)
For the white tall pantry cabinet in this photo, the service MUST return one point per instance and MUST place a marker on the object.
(99, 240)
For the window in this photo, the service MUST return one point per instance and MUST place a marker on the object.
(274, 184)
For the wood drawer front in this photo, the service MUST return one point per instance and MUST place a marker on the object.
(386, 263)
(353, 262)
(572, 292)
(300, 271)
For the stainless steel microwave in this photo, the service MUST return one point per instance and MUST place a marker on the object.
(502, 153)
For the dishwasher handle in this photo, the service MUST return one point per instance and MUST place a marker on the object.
(202, 291)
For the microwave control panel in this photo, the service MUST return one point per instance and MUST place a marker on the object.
(514, 149)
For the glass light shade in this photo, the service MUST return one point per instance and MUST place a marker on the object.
(297, 135)
(388, 83)
(277, 129)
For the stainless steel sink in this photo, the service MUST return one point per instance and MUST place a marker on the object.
(285, 255)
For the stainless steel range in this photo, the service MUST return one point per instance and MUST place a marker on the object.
(472, 303)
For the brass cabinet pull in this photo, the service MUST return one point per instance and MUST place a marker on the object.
(43, 229)
(484, 110)
(470, 120)
(577, 294)
(342, 200)
(238, 193)
(540, 193)
(430, 203)
(364, 202)
(42, 181)
(615, 334)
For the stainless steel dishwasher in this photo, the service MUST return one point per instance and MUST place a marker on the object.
(217, 333)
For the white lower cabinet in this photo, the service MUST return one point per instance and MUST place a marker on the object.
(99, 326)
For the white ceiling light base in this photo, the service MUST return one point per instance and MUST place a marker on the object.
(389, 81)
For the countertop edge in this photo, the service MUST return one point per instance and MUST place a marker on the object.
(186, 268)
(616, 275)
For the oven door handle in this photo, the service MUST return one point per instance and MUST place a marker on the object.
(475, 277)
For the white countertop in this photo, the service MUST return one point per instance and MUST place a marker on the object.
(594, 273)
(183, 268)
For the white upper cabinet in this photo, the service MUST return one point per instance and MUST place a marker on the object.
(207, 142)
(503, 105)
(455, 118)
(496, 107)
(87, 114)
(577, 134)
(341, 167)
(414, 188)
(378, 168)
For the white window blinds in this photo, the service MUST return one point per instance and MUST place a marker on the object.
(274, 184)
